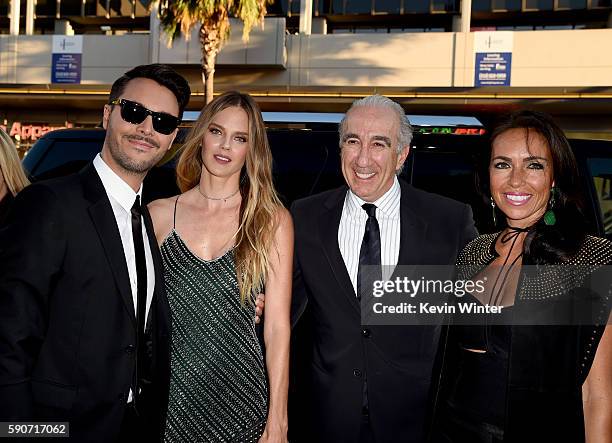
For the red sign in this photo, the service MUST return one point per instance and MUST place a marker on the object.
(451, 131)
(470, 131)
(23, 132)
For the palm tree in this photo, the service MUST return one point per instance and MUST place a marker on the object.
(180, 16)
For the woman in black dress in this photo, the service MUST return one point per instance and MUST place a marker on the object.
(541, 371)
(12, 177)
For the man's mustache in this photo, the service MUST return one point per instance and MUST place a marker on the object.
(145, 139)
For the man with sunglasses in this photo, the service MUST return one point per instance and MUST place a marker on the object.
(84, 321)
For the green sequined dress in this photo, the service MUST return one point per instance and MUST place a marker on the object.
(218, 384)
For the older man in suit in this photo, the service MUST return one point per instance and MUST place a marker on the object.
(370, 383)
(84, 321)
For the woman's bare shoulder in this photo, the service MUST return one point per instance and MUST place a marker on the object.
(160, 207)
(283, 219)
(162, 214)
(283, 215)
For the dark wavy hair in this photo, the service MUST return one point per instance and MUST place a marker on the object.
(164, 75)
(547, 244)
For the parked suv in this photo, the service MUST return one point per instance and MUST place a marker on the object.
(307, 161)
(445, 151)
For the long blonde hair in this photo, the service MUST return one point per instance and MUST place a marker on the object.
(10, 166)
(257, 221)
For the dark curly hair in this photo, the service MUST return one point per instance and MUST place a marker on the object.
(557, 243)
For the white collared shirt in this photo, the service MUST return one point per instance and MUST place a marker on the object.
(352, 228)
(122, 198)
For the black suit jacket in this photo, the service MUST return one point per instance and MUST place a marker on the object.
(397, 360)
(67, 322)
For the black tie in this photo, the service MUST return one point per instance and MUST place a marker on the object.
(369, 255)
(141, 303)
(370, 269)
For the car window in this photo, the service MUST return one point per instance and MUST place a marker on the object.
(304, 162)
(451, 174)
(601, 173)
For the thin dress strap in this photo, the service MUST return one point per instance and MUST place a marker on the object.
(174, 221)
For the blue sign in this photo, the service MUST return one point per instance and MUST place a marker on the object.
(493, 68)
(66, 68)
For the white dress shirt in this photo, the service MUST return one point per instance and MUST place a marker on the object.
(122, 198)
(352, 228)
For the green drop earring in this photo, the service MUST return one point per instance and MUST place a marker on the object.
(493, 211)
(549, 216)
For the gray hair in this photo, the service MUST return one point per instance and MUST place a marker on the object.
(404, 137)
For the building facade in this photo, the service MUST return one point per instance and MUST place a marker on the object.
(478, 57)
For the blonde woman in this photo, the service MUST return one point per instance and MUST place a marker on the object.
(12, 177)
(221, 240)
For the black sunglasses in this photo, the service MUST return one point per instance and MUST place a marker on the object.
(135, 113)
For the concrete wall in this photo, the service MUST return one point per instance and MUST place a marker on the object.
(266, 47)
(568, 58)
(409, 59)
(26, 59)
(563, 58)
(540, 58)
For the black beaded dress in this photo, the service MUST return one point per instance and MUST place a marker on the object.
(218, 385)
(526, 387)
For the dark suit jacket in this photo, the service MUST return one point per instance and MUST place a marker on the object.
(67, 322)
(397, 360)
(5, 206)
